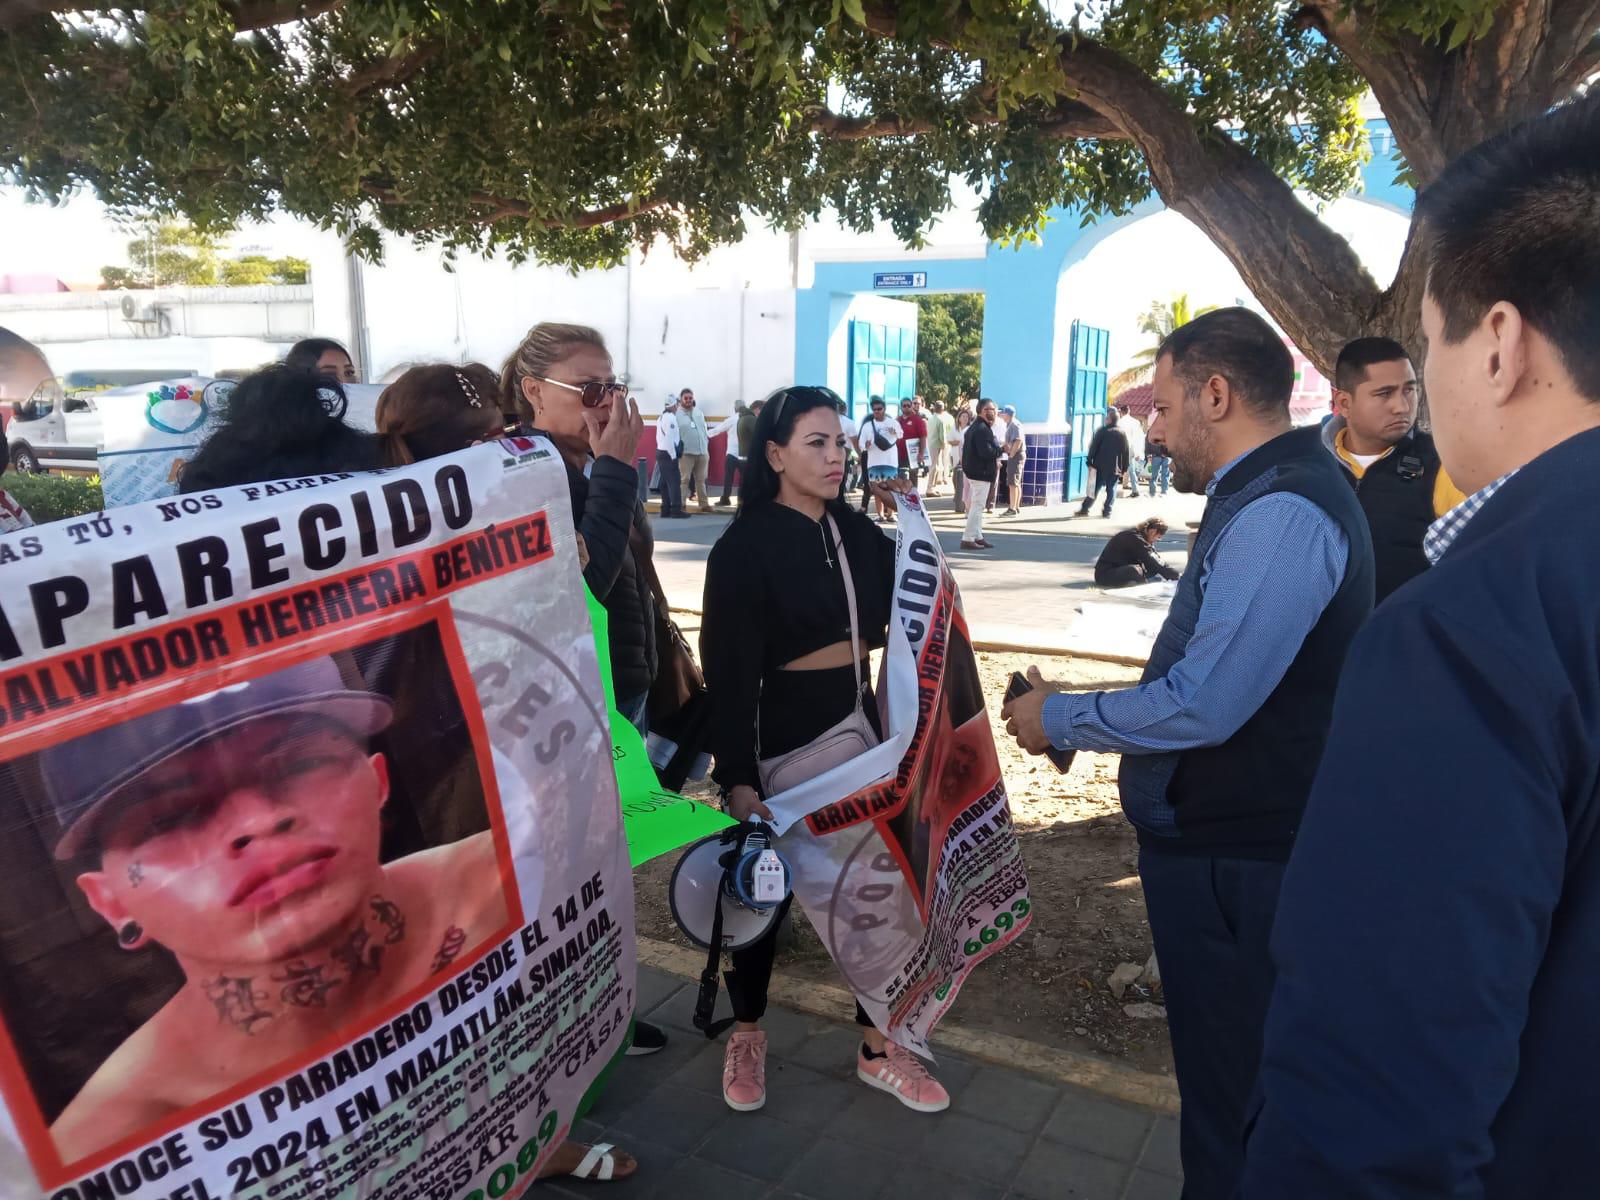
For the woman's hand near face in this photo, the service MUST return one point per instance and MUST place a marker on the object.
(620, 437)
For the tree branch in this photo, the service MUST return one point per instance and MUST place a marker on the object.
(248, 15)
(1403, 73)
(1067, 120)
(1584, 67)
(262, 14)
(502, 208)
(389, 70)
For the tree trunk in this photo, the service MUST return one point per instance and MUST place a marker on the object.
(1304, 274)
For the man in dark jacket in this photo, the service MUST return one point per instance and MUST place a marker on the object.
(1108, 459)
(1433, 1031)
(1392, 464)
(980, 462)
(1220, 740)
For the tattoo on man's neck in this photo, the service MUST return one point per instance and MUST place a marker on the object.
(454, 940)
(309, 983)
(391, 918)
(237, 1002)
(135, 874)
(306, 985)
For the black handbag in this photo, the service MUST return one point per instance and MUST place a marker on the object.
(878, 440)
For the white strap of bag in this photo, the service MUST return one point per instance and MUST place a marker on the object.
(850, 600)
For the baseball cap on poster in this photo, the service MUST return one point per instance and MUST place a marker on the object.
(86, 776)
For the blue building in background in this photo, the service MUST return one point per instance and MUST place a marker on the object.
(851, 332)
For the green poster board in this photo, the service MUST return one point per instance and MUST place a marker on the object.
(656, 821)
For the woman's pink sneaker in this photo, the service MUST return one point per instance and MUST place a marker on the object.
(902, 1075)
(744, 1072)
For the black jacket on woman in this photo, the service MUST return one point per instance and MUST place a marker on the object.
(980, 452)
(607, 512)
(775, 593)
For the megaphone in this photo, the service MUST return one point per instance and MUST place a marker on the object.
(727, 889)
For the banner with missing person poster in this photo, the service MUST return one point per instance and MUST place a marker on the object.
(312, 880)
(915, 876)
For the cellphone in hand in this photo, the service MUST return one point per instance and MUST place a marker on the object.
(1019, 686)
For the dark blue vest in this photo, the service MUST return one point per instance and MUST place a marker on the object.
(1244, 798)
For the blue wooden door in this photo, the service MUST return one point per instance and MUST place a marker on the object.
(1086, 397)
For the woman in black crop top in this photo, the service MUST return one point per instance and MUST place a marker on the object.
(775, 645)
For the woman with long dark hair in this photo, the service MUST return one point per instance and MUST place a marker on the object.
(276, 424)
(779, 638)
(324, 356)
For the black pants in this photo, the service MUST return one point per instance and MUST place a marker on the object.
(1210, 919)
(1126, 575)
(671, 497)
(729, 465)
(796, 707)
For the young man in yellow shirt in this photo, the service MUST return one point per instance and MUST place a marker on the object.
(1391, 463)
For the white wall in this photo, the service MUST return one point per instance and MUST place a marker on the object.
(723, 326)
(270, 313)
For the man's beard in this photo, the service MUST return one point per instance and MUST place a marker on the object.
(1191, 461)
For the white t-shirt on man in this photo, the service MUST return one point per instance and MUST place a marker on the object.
(890, 428)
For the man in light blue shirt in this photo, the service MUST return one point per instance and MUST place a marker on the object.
(1221, 739)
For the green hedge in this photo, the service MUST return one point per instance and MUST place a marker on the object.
(52, 497)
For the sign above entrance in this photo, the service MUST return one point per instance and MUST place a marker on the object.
(900, 279)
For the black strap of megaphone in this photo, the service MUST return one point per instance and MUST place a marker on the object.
(705, 1004)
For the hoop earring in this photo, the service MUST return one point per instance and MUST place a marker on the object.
(130, 935)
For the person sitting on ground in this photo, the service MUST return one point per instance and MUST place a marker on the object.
(280, 423)
(1130, 557)
(323, 355)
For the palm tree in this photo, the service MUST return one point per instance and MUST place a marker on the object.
(1158, 321)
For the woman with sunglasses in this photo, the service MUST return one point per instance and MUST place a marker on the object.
(777, 643)
(560, 382)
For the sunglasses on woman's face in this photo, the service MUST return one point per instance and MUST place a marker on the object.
(591, 394)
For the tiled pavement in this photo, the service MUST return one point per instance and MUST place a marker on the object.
(826, 1136)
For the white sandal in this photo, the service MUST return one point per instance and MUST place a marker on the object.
(598, 1165)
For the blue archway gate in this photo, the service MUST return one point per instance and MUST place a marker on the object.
(1052, 368)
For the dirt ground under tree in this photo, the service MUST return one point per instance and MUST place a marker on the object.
(1089, 916)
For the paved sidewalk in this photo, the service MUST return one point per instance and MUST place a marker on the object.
(825, 1135)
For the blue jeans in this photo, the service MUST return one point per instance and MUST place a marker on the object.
(634, 712)
(1160, 468)
(1107, 485)
(1210, 919)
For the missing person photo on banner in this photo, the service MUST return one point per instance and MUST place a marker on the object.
(314, 881)
(257, 843)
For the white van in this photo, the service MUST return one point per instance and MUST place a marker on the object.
(58, 427)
